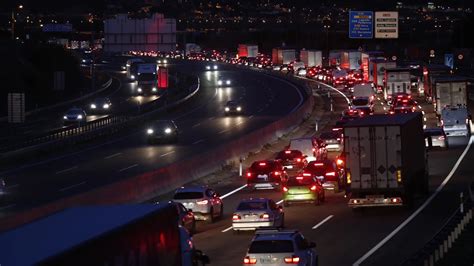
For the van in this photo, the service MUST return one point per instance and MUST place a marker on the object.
(310, 147)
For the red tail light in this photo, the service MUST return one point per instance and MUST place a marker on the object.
(298, 159)
(265, 216)
(292, 260)
(277, 173)
(235, 217)
(313, 188)
(339, 162)
(285, 189)
(202, 202)
(248, 260)
(299, 178)
(306, 174)
(318, 164)
(249, 174)
(331, 174)
(287, 152)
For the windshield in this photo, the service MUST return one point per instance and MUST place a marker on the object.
(360, 101)
(289, 155)
(252, 205)
(188, 195)
(271, 246)
(146, 76)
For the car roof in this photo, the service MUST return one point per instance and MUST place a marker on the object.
(255, 200)
(192, 189)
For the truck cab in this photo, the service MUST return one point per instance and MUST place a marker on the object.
(147, 79)
(456, 121)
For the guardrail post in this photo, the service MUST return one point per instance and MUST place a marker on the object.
(461, 208)
(431, 260)
(445, 245)
(436, 255)
(441, 251)
(240, 166)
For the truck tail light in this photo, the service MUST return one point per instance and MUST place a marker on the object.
(277, 173)
(235, 217)
(339, 162)
(292, 260)
(249, 174)
(399, 176)
(265, 216)
(248, 260)
(287, 152)
(348, 176)
(298, 160)
(313, 188)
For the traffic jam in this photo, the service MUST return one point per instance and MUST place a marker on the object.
(404, 108)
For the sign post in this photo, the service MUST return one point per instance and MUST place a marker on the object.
(361, 24)
(386, 24)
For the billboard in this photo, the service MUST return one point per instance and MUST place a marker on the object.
(386, 24)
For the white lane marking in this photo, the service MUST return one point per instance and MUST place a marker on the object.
(336, 90)
(411, 217)
(6, 207)
(198, 141)
(113, 155)
(279, 202)
(322, 222)
(128, 167)
(13, 186)
(233, 191)
(424, 119)
(166, 154)
(419, 106)
(72, 186)
(227, 229)
(223, 131)
(382, 103)
(423, 112)
(196, 125)
(66, 170)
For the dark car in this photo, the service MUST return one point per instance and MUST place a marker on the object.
(75, 116)
(327, 172)
(292, 159)
(403, 106)
(233, 108)
(186, 218)
(266, 174)
(162, 130)
(100, 105)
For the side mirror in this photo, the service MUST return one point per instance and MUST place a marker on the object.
(280, 207)
(312, 245)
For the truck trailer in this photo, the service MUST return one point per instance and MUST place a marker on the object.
(449, 91)
(311, 58)
(397, 80)
(147, 79)
(248, 50)
(385, 160)
(281, 56)
(134, 234)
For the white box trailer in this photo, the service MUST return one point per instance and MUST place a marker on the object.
(311, 58)
(397, 80)
(248, 50)
(191, 48)
(385, 160)
(282, 56)
(449, 91)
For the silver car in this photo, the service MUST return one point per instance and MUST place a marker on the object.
(275, 247)
(436, 137)
(252, 214)
(204, 202)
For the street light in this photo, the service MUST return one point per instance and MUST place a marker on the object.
(327, 27)
(14, 20)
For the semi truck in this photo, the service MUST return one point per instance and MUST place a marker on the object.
(386, 164)
(365, 58)
(147, 79)
(248, 50)
(131, 67)
(311, 58)
(430, 73)
(354, 60)
(283, 56)
(339, 58)
(456, 121)
(397, 80)
(377, 71)
(449, 91)
(133, 234)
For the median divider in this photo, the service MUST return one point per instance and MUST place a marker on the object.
(167, 178)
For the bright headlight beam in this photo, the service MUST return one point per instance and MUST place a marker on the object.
(167, 130)
(149, 131)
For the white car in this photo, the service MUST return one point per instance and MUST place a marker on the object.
(204, 202)
(280, 247)
(252, 214)
(223, 82)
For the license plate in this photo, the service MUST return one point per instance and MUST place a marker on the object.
(300, 196)
(263, 176)
(374, 197)
(265, 260)
(289, 166)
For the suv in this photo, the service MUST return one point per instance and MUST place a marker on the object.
(310, 147)
(327, 172)
(202, 201)
(292, 159)
(267, 174)
(280, 247)
(333, 140)
(252, 214)
(303, 189)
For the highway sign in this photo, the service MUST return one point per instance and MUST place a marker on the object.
(361, 24)
(386, 25)
(16, 107)
(449, 60)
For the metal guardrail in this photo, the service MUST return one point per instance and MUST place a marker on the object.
(435, 249)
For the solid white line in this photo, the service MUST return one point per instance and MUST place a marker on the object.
(66, 170)
(322, 222)
(6, 207)
(13, 186)
(165, 154)
(411, 217)
(334, 89)
(128, 167)
(198, 141)
(195, 125)
(113, 155)
(227, 229)
(419, 106)
(73, 186)
(223, 131)
(233, 191)
(279, 202)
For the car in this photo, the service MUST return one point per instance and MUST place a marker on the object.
(436, 137)
(398, 97)
(350, 114)
(280, 247)
(233, 108)
(75, 115)
(403, 106)
(266, 174)
(100, 105)
(309, 146)
(162, 130)
(252, 214)
(363, 104)
(331, 176)
(332, 139)
(222, 82)
(203, 201)
(213, 67)
(303, 189)
(292, 159)
(186, 218)
(189, 254)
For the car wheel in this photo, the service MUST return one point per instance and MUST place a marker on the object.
(286, 203)
(211, 216)
(221, 213)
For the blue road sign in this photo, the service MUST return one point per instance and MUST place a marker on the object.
(449, 60)
(361, 24)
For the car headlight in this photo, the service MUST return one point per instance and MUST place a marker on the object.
(219, 82)
(149, 131)
(227, 82)
(165, 61)
(159, 61)
(153, 89)
(106, 106)
(227, 109)
(167, 130)
(215, 67)
(239, 108)
(132, 76)
(93, 106)
(83, 60)
(65, 117)
(208, 67)
(79, 117)
(139, 89)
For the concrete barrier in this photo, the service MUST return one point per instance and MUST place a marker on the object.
(167, 178)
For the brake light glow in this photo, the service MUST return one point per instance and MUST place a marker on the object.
(313, 188)
(248, 260)
(405, 101)
(339, 162)
(306, 174)
(349, 180)
(287, 152)
(318, 164)
(299, 178)
(314, 149)
(235, 217)
(285, 189)
(292, 260)
(203, 202)
(399, 176)
(277, 173)
(298, 159)
(265, 216)
(262, 164)
(331, 173)
(249, 174)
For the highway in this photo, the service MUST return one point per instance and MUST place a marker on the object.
(201, 122)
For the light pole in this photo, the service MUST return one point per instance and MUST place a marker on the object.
(326, 27)
(14, 20)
